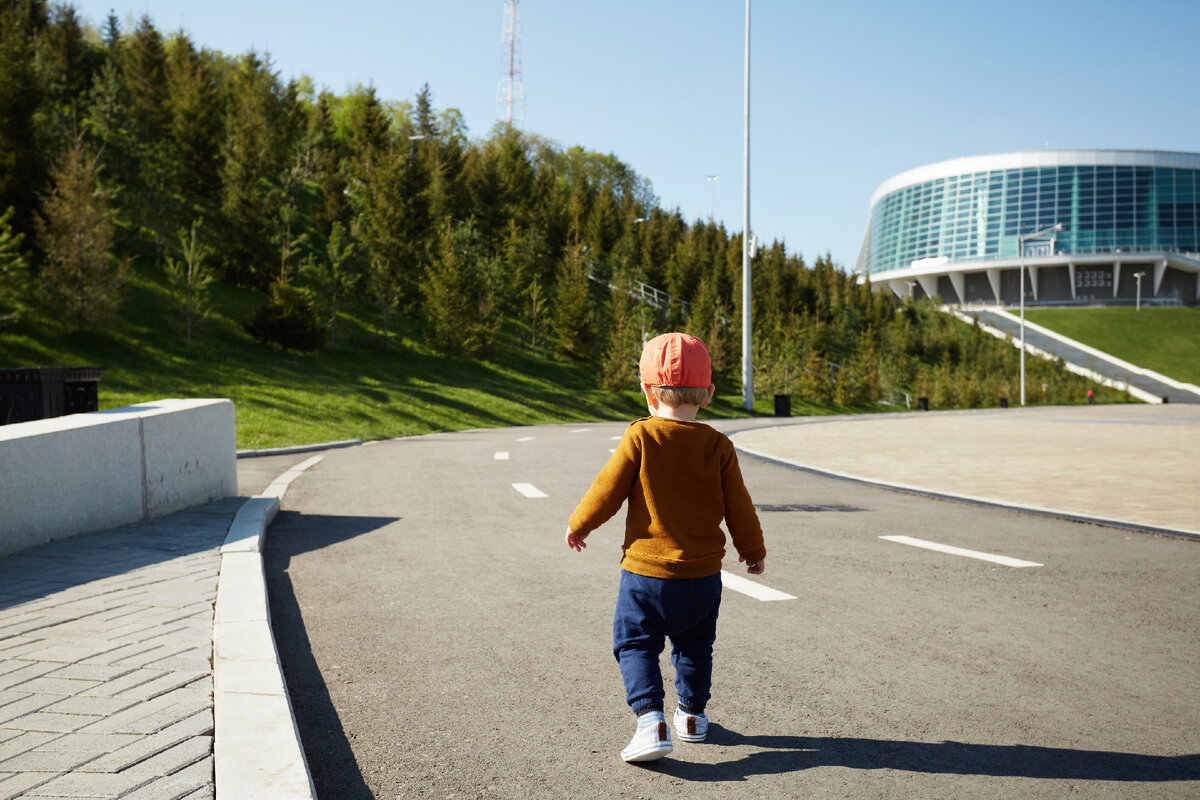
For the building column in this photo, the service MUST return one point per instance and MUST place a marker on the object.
(1071, 272)
(960, 286)
(928, 285)
(1159, 270)
(1033, 272)
(994, 280)
(1116, 278)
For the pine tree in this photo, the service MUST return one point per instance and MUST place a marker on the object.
(14, 270)
(22, 140)
(619, 365)
(334, 273)
(189, 279)
(81, 278)
(447, 289)
(572, 318)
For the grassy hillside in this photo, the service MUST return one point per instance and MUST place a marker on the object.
(1166, 340)
(357, 390)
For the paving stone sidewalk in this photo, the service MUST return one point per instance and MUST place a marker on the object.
(106, 687)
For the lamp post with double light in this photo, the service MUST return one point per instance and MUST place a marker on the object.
(1022, 238)
(1139, 276)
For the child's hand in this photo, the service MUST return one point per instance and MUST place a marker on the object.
(755, 569)
(576, 543)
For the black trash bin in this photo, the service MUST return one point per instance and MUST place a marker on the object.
(31, 393)
(1004, 402)
(783, 405)
(922, 404)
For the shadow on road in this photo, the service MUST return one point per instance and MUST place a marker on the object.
(331, 761)
(795, 753)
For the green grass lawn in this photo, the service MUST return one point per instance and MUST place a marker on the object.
(1166, 340)
(356, 390)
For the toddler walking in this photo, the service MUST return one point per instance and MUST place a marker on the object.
(680, 478)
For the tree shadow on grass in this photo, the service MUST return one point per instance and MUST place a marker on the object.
(782, 754)
(335, 771)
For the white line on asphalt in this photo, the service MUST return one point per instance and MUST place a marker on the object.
(501, 455)
(749, 587)
(614, 438)
(529, 490)
(958, 551)
(580, 430)
(280, 484)
(526, 439)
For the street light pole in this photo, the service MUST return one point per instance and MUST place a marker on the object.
(1021, 239)
(747, 365)
(712, 193)
(1139, 276)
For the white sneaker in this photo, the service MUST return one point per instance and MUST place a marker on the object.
(651, 740)
(690, 727)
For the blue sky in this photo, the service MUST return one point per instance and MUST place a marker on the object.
(843, 94)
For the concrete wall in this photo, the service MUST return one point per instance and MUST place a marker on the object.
(86, 472)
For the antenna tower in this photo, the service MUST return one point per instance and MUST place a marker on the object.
(510, 95)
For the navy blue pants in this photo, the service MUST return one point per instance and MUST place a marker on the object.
(649, 610)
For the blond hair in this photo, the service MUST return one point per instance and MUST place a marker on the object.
(675, 396)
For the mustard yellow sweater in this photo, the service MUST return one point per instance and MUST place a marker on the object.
(680, 480)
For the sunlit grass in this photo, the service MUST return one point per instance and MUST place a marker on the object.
(1166, 340)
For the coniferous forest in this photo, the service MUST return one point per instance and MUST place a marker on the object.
(134, 150)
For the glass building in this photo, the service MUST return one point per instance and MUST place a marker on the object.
(1095, 226)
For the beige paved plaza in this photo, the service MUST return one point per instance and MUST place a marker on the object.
(1134, 463)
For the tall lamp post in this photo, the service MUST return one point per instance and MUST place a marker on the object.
(1139, 276)
(712, 193)
(747, 365)
(1021, 239)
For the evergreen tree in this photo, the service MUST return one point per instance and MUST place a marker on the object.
(334, 274)
(81, 278)
(619, 365)
(572, 318)
(14, 270)
(189, 278)
(22, 139)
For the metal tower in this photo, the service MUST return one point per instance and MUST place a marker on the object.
(510, 96)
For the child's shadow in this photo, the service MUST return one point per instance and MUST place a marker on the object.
(780, 754)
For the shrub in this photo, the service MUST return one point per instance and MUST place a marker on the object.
(288, 320)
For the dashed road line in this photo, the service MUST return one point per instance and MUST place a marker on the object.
(749, 587)
(526, 439)
(959, 551)
(501, 455)
(529, 490)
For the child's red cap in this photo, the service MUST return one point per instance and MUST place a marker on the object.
(676, 359)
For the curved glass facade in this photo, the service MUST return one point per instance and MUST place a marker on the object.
(972, 209)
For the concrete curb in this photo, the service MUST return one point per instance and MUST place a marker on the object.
(962, 498)
(257, 750)
(299, 448)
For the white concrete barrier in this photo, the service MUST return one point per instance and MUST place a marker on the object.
(85, 472)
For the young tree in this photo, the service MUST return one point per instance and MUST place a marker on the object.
(572, 318)
(189, 279)
(14, 271)
(335, 274)
(81, 277)
(619, 365)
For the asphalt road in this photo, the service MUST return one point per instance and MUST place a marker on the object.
(440, 640)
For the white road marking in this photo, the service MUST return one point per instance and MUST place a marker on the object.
(580, 430)
(958, 551)
(614, 438)
(612, 449)
(501, 455)
(529, 490)
(280, 484)
(526, 439)
(755, 590)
